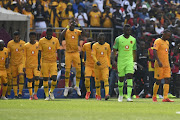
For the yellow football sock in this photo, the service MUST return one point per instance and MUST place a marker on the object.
(166, 90)
(29, 85)
(106, 87)
(78, 77)
(45, 84)
(98, 88)
(36, 86)
(21, 83)
(15, 86)
(67, 77)
(53, 85)
(87, 84)
(4, 89)
(155, 89)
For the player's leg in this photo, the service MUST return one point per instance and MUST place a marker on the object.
(68, 62)
(53, 72)
(97, 84)
(29, 75)
(45, 72)
(36, 82)
(14, 71)
(158, 75)
(129, 76)
(21, 80)
(77, 63)
(88, 73)
(167, 75)
(121, 74)
(9, 78)
(105, 76)
(4, 82)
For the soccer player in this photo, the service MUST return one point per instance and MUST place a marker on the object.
(162, 66)
(16, 51)
(72, 54)
(89, 65)
(101, 55)
(3, 66)
(48, 46)
(31, 64)
(126, 46)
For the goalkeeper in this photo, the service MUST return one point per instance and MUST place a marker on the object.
(126, 46)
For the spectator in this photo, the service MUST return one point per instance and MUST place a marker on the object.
(89, 5)
(66, 15)
(159, 29)
(54, 14)
(76, 5)
(107, 18)
(45, 4)
(144, 14)
(95, 16)
(100, 4)
(81, 16)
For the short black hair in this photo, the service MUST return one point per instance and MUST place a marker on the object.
(32, 33)
(16, 33)
(49, 30)
(167, 30)
(126, 26)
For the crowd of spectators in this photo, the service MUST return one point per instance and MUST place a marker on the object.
(148, 18)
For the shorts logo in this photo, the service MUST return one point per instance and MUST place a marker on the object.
(131, 42)
(17, 49)
(49, 48)
(32, 52)
(73, 37)
(127, 47)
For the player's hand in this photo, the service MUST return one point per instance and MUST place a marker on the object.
(98, 63)
(135, 65)
(114, 64)
(160, 64)
(39, 67)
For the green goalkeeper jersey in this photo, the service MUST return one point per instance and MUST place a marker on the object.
(125, 48)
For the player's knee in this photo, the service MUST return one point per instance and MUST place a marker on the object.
(5, 84)
(67, 72)
(45, 79)
(106, 83)
(121, 79)
(54, 77)
(129, 76)
(167, 81)
(158, 82)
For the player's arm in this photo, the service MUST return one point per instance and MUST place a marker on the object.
(93, 53)
(39, 59)
(108, 55)
(157, 58)
(83, 53)
(135, 56)
(25, 56)
(59, 53)
(83, 31)
(7, 61)
(63, 33)
(113, 54)
(9, 51)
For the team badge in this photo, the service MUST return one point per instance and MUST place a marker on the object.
(73, 37)
(36, 47)
(75, 32)
(32, 52)
(49, 48)
(105, 48)
(53, 43)
(20, 45)
(127, 47)
(17, 49)
(5, 53)
(131, 42)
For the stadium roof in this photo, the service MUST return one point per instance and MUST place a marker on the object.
(8, 15)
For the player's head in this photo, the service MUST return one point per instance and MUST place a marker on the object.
(1, 45)
(72, 25)
(166, 34)
(49, 33)
(101, 38)
(89, 39)
(32, 36)
(16, 36)
(127, 29)
(142, 45)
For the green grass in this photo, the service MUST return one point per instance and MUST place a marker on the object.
(81, 109)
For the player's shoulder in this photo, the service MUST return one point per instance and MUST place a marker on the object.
(158, 40)
(95, 44)
(22, 42)
(10, 42)
(86, 44)
(42, 39)
(5, 49)
(133, 38)
(107, 44)
(26, 44)
(119, 37)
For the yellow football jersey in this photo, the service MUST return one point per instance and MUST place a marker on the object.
(66, 21)
(107, 22)
(71, 38)
(95, 19)
(48, 49)
(16, 52)
(102, 54)
(3, 56)
(89, 60)
(31, 54)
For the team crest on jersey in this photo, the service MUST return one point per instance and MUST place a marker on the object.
(5, 53)
(53, 43)
(75, 32)
(131, 42)
(20, 45)
(36, 47)
(127, 47)
(105, 48)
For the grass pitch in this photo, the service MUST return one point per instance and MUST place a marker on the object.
(81, 109)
